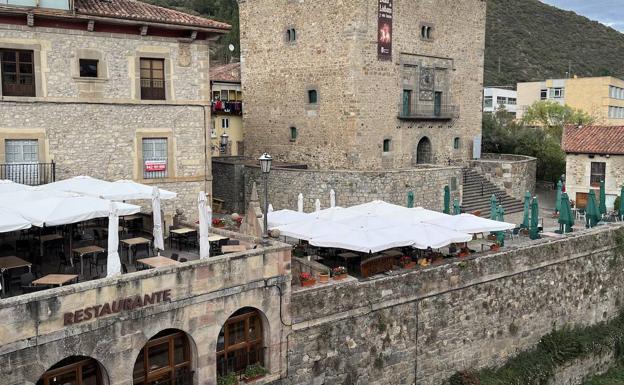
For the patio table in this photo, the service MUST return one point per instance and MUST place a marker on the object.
(8, 263)
(55, 279)
(82, 251)
(133, 242)
(48, 238)
(181, 233)
(158, 261)
(216, 238)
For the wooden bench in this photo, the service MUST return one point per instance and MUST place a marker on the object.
(376, 265)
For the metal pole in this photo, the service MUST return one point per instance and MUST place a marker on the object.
(265, 233)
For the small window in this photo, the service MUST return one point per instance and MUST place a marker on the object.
(18, 72)
(291, 35)
(456, 143)
(598, 171)
(426, 32)
(152, 79)
(216, 95)
(312, 96)
(511, 101)
(225, 123)
(293, 134)
(487, 102)
(88, 68)
(557, 93)
(386, 145)
(543, 94)
(155, 158)
(501, 100)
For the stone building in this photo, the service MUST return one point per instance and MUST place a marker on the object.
(112, 89)
(362, 85)
(227, 110)
(594, 154)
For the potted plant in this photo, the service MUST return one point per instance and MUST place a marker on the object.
(306, 279)
(339, 273)
(253, 372)
(229, 379)
(406, 262)
(324, 277)
(495, 246)
(217, 222)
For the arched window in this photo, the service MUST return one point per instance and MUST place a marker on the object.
(240, 342)
(386, 145)
(423, 151)
(312, 96)
(75, 370)
(165, 359)
(456, 143)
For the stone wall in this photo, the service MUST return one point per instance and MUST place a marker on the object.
(355, 187)
(359, 96)
(228, 183)
(515, 174)
(422, 326)
(578, 173)
(203, 294)
(580, 370)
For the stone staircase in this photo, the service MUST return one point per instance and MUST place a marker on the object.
(473, 200)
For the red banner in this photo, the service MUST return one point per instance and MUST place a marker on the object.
(384, 30)
(151, 166)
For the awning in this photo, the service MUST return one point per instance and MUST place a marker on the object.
(284, 217)
(120, 190)
(471, 224)
(11, 221)
(7, 186)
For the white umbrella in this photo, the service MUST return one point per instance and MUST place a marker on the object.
(300, 202)
(159, 243)
(363, 240)
(7, 186)
(270, 208)
(113, 263)
(471, 224)
(85, 185)
(317, 205)
(285, 217)
(204, 225)
(11, 221)
(311, 228)
(123, 190)
(426, 235)
(332, 198)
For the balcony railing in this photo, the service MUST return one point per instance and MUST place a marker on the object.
(32, 174)
(428, 111)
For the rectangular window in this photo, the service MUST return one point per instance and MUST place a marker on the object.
(407, 102)
(386, 145)
(88, 68)
(543, 94)
(239, 96)
(216, 95)
(597, 173)
(557, 93)
(21, 151)
(152, 79)
(225, 123)
(487, 102)
(511, 101)
(18, 72)
(501, 100)
(155, 158)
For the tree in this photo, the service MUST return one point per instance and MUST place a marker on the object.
(553, 117)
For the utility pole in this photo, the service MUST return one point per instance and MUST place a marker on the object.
(499, 64)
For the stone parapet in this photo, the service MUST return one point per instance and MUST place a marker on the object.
(513, 173)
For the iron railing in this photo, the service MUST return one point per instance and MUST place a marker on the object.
(32, 174)
(428, 111)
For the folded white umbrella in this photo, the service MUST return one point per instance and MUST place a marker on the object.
(332, 198)
(204, 225)
(7, 186)
(317, 205)
(311, 228)
(123, 190)
(113, 263)
(159, 242)
(471, 224)
(284, 217)
(300, 202)
(11, 221)
(363, 240)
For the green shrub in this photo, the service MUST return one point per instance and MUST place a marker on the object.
(255, 370)
(229, 379)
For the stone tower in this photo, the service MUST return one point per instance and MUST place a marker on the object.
(362, 84)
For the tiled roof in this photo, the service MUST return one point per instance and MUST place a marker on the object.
(226, 73)
(594, 140)
(139, 11)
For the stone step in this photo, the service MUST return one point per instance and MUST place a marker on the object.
(477, 192)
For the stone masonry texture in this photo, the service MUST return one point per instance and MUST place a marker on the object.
(358, 95)
(515, 174)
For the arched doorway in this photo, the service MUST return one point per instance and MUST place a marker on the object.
(74, 370)
(424, 151)
(240, 342)
(165, 359)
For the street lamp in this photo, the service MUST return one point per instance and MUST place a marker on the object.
(224, 142)
(265, 166)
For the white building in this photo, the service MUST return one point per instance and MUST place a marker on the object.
(494, 98)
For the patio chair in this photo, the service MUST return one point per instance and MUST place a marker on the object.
(581, 214)
(26, 279)
(99, 261)
(175, 256)
(64, 262)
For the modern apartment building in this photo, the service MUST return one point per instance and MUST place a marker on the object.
(495, 98)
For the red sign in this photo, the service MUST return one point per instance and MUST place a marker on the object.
(151, 165)
(384, 30)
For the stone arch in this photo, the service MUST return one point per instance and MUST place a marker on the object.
(424, 151)
(170, 354)
(235, 352)
(79, 369)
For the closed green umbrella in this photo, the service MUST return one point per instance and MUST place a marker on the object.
(558, 199)
(501, 213)
(592, 213)
(410, 199)
(566, 220)
(603, 198)
(447, 200)
(534, 226)
(493, 207)
(527, 208)
(456, 208)
(621, 208)
(500, 216)
(568, 207)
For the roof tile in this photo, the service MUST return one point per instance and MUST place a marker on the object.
(226, 73)
(594, 140)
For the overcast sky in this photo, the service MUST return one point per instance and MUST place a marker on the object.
(609, 12)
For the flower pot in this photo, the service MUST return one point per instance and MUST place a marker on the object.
(409, 265)
(308, 282)
(339, 277)
(323, 278)
(494, 247)
(252, 379)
